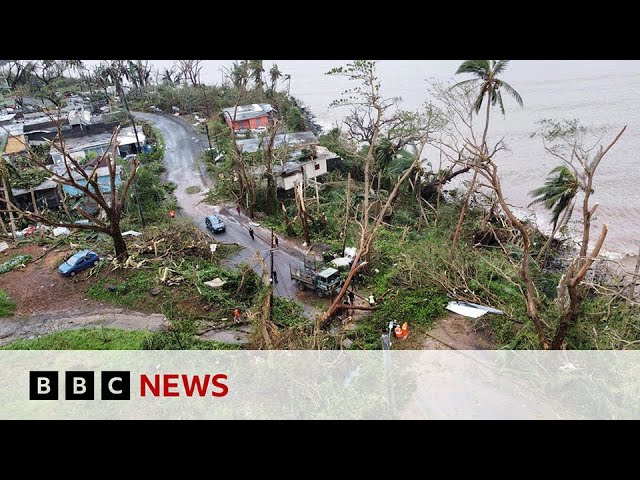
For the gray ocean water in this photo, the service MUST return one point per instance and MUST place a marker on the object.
(598, 93)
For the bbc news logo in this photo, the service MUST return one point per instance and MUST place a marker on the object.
(116, 385)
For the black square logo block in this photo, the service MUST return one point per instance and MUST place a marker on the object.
(43, 385)
(78, 385)
(116, 385)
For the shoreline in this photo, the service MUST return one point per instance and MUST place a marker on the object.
(626, 260)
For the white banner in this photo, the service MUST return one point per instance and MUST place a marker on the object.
(319, 385)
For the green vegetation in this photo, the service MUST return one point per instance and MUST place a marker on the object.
(288, 313)
(13, 262)
(156, 197)
(85, 339)
(131, 292)
(193, 189)
(116, 339)
(183, 339)
(7, 306)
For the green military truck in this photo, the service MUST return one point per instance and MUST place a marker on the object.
(324, 283)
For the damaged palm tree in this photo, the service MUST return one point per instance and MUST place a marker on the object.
(110, 199)
(489, 86)
(566, 141)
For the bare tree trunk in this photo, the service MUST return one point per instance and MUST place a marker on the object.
(287, 223)
(9, 207)
(572, 282)
(63, 197)
(472, 187)
(563, 221)
(334, 306)
(456, 235)
(525, 271)
(632, 287)
(3, 226)
(118, 241)
(33, 201)
(302, 213)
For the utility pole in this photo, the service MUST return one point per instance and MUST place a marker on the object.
(271, 252)
(273, 283)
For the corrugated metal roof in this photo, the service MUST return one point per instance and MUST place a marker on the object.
(248, 111)
(295, 139)
(126, 136)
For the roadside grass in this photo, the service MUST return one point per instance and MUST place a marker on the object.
(84, 339)
(128, 290)
(193, 189)
(7, 306)
(117, 339)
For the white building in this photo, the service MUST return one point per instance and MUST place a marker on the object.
(294, 171)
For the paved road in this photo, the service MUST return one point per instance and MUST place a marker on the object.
(184, 147)
(12, 329)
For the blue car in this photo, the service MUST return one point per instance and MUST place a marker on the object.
(214, 224)
(80, 261)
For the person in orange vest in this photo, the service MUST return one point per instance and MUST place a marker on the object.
(236, 315)
(404, 330)
(172, 213)
(397, 331)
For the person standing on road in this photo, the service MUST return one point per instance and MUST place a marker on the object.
(238, 209)
(275, 241)
(275, 277)
(251, 233)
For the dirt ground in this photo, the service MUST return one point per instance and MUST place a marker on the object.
(453, 332)
(39, 288)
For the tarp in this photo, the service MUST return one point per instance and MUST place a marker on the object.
(482, 307)
(464, 310)
(472, 310)
(342, 262)
(61, 231)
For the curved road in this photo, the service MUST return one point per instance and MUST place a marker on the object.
(184, 147)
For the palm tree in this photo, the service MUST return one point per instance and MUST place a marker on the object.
(486, 78)
(256, 69)
(274, 75)
(238, 73)
(558, 195)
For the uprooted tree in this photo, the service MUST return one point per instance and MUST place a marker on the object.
(110, 200)
(368, 122)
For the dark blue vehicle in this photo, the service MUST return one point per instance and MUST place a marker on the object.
(215, 224)
(80, 261)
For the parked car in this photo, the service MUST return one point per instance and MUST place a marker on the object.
(77, 263)
(215, 224)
